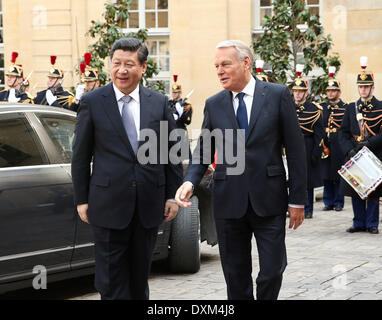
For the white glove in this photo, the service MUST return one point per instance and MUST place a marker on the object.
(179, 108)
(79, 92)
(50, 98)
(176, 117)
(12, 96)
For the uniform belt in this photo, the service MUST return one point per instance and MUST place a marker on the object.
(331, 130)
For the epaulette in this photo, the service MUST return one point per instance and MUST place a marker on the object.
(317, 105)
(3, 90)
(67, 100)
(29, 95)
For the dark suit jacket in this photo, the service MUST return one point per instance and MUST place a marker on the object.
(273, 124)
(119, 186)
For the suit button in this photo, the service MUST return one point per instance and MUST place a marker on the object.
(134, 184)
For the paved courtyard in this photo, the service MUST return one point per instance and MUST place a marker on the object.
(324, 262)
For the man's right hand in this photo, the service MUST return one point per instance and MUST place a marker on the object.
(82, 210)
(183, 195)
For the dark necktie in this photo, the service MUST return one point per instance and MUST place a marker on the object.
(241, 115)
(129, 124)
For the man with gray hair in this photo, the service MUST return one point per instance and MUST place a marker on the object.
(255, 201)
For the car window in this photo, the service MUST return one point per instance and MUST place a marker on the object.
(60, 129)
(19, 144)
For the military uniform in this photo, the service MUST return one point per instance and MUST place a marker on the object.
(334, 158)
(15, 95)
(64, 99)
(182, 112)
(310, 119)
(361, 126)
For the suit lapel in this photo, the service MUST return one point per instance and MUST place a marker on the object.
(257, 104)
(112, 111)
(145, 112)
(228, 108)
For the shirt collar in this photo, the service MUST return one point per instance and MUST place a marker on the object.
(249, 89)
(119, 95)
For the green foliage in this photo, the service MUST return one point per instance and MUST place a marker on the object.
(290, 30)
(107, 32)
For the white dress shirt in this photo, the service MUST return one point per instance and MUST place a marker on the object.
(133, 104)
(249, 91)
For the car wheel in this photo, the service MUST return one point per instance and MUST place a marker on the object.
(185, 240)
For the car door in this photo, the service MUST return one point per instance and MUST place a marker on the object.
(36, 210)
(60, 130)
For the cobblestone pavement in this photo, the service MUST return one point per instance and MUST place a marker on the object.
(324, 262)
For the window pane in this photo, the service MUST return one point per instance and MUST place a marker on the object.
(314, 11)
(134, 5)
(150, 20)
(162, 19)
(265, 3)
(163, 48)
(18, 146)
(162, 4)
(164, 64)
(61, 130)
(313, 2)
(152, 47)
(150, 5)
(133, 20)
(264, 12)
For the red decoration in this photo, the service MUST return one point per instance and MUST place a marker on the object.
(88, 58)
(14, 56)
(175, 76)
(53, 59)
(82, 67)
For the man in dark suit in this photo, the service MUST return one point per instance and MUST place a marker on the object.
(122, 198)
(253, 199)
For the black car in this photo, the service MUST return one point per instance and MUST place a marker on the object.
(39, 226)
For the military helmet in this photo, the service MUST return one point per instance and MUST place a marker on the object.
(365, 78)
(88, 73)
(55, 72)
(333, 84)
(176, 87)
(300, 83)
(259, 69)
(15, 69)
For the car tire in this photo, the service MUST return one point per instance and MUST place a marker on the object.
(184, 254)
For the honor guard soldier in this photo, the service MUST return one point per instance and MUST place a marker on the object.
(333, 157)
(361, 126)
(15, 82)
(182, 112)
(90, 78)
(55, 95)
(259, 69)
(180, 108)
(310, 118)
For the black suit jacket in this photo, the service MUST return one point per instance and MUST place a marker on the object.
(273, 124)
(119, 185)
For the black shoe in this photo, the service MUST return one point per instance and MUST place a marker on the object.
(373, 230)
(355, 229)
(327, 208)
(338, 208)
(308, 215)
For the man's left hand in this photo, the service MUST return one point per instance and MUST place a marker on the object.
(296, 217)
(170, 210)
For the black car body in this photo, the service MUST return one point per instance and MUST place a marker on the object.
(39, 226)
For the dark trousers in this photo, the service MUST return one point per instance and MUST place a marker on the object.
(366, 212)
(332, 196)
(123, 260)
(234, 238)
(309, 204)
